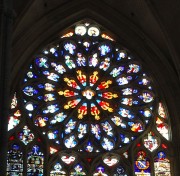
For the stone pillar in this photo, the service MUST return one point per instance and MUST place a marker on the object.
(6, 22)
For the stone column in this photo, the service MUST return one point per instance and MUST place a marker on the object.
(6, 22)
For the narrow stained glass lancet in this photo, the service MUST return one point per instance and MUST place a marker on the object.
(35, 161)
(15, 160)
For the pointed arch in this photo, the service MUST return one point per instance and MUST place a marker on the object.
(30, 105)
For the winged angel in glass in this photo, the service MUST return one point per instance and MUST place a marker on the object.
(88, 104)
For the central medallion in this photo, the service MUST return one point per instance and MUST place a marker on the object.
(87, 90)
(88, 93)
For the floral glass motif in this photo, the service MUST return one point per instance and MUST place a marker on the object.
(15, 160)
(162, 164)
(35, 161)
(87, 97)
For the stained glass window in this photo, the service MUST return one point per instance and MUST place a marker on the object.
(35, 161)
(15, 160)
(86, 106)
(15, 115)
(57, 170)
(162, 164)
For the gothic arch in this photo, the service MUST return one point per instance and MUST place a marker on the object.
(126, 32)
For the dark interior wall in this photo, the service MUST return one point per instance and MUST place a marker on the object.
(144, 27)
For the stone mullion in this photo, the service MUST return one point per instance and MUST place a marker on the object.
(6, 21)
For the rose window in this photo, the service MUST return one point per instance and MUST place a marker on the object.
(88, 93)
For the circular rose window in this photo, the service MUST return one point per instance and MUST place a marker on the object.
(88, 93)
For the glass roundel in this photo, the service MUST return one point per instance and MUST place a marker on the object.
(88, 93)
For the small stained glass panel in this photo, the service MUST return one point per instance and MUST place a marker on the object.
(142, 165)
(100, 171)
(70, 47)
(68, 159)
(15, 160)
(163, 128)
(151, 141)
(161, 111)
(14, 120)
(162, 164)
(14, 101)
(93, 31)
(78, 170)
(57, 170)
(35, 161)
(111, 160)
(80, 30)
(26, 136)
